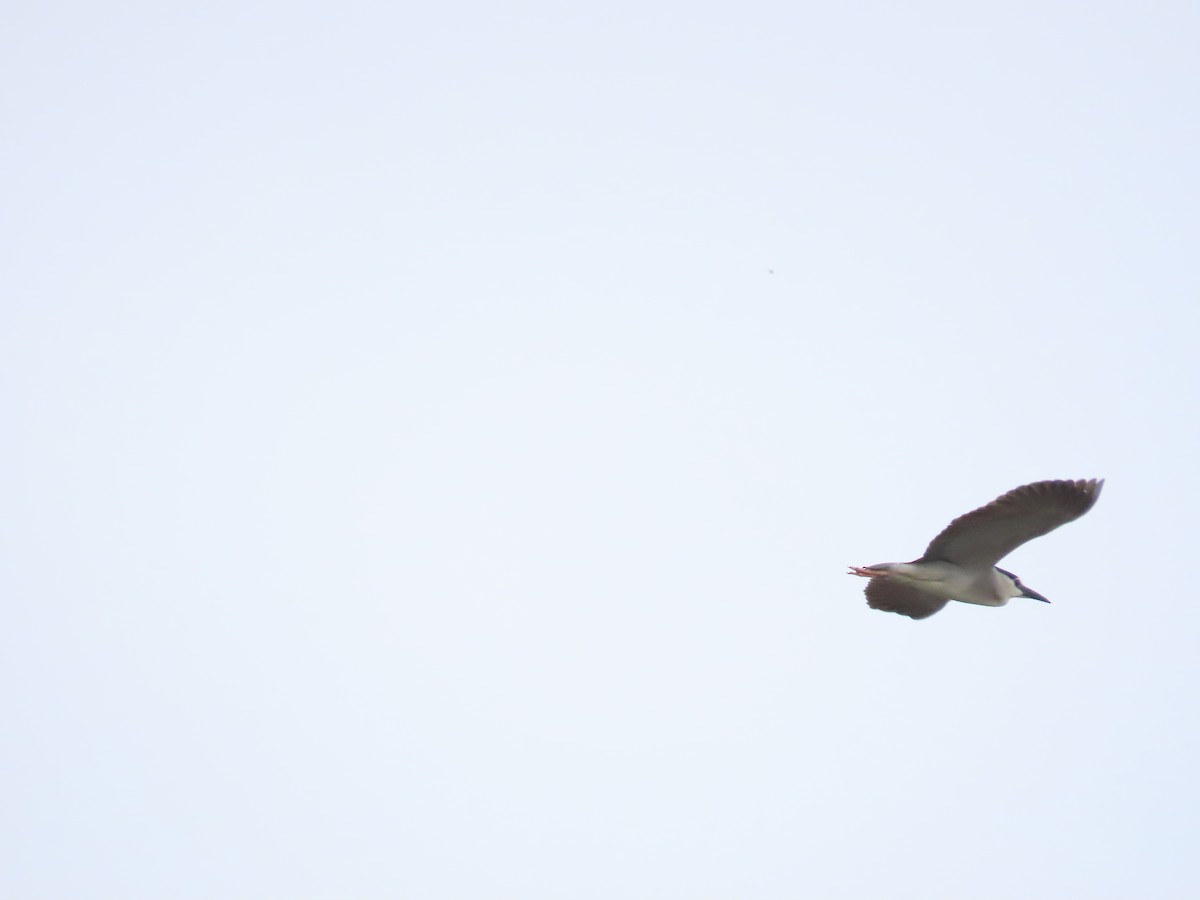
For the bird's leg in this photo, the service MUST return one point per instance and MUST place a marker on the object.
(866, 572)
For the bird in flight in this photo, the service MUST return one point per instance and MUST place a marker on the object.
(960, 563)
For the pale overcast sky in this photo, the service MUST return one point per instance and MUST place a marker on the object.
(435, 436)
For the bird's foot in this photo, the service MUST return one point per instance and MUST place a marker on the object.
(866, 572)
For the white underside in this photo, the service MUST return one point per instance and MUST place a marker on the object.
(983, 587)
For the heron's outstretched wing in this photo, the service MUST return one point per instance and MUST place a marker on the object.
(894, 596)
(987, 535)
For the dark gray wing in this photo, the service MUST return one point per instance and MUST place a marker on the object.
(990, 533)
(893, 596)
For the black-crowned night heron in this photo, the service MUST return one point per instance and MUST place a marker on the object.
(960, 563)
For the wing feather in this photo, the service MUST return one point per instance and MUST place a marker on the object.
(987, 535)
(905, 599)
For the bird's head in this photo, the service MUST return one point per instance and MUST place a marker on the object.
(1019, 590)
